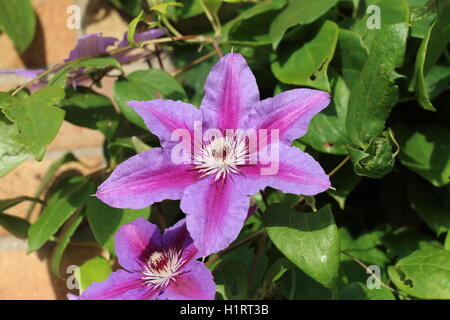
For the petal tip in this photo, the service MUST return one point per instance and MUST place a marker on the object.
(71, 296)
(134, 104)
(326, 96)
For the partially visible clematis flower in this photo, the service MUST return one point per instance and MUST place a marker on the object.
(214, 188)
(156, 267)
(91, 45)
(94, 44)
(27, 73)
(125, 57)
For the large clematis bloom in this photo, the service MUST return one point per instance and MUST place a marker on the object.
(215, 188)
(156, 267)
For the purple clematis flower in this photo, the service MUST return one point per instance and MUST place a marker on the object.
(156, 267)
(94, 44)
(125, 57)
(215, 188)
(90, 45)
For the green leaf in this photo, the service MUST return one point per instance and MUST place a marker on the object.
(89, 64)
(139, 145)
(326, 131)
(106, 221)
(425, 149)
(307, 64)
(359, 291)
(366, 248)
(246, 256)
(191, 8)
(132, 27)
(447, 242)
(432, 46)
(193, 79)
(309, 239)
(423, 14)
(68, 230)
(428, 204)
(419, 78)
(130, 7)
(404, 241)
(5, 99)
(63, 203)
(230, 277)
(298, 12)
(277, 270)
(296, 285)
(86, 108)
(37, 119)
(11, 154)
(145, 85)
(350, 57)
(49, 175)
(212, 6)
(15, 225)
(119, 150)
(439, 36)
(423, 274)
(375, 94)
(18, 20)
(163, 7)
(94, 270)
(260, 8)
(349, 270)
(251, 26)
(437, 80)
(391, 13)
(374, 162)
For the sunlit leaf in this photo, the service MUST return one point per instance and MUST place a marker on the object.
(309, 239)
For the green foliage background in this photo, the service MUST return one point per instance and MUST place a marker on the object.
(384, 140)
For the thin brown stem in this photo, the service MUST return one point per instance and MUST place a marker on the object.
(216, 46)
(162, 219)
(258, 252)
(158, 57)
(339, 166)
(296, 203)
(332, 172)
(193, 63)
(188, 38)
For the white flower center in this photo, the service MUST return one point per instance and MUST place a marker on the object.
(162, 267)
(221, 156)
